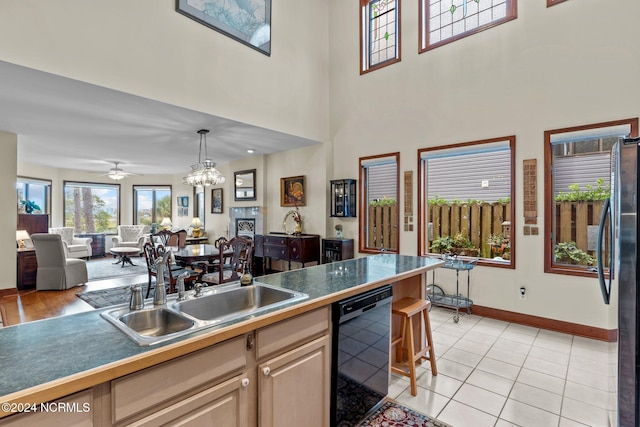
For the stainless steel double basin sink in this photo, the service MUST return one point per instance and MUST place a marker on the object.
(217, 305)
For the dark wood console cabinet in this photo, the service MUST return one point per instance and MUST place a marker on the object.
(336, 250)
(97, 244)
(302, 248)
(26, 263)
(27, 269)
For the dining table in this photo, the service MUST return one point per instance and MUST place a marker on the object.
(194, 253)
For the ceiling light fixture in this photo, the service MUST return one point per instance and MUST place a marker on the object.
(203, 174)
(116, 173)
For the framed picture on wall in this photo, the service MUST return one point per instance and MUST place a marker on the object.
(247, 21)
(185, 201)
(292, 191)
(216, 200)
(179, 200)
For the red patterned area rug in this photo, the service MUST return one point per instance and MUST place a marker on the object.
(391, 414)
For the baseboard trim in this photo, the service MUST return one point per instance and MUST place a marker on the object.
(544, 323)
(6, 292)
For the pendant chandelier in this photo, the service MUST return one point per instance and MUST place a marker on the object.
(203, 174)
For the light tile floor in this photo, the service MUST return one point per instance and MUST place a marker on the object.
(495, 373)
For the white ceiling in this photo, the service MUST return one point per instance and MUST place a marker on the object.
(66, 123)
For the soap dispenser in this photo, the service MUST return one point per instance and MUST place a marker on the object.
(246, 279)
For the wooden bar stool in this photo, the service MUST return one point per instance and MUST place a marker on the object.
(406, 308)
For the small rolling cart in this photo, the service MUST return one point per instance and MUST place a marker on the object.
(436, 294)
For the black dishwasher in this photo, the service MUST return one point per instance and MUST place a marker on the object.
(360, 355)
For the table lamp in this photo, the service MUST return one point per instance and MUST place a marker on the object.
(166, 223)
(196, 224)
(21, 236)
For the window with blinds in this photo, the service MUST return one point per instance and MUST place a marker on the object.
(379, 207)
(577, 182)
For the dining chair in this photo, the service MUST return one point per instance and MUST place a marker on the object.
(163, 237)
(181, 239)
(150, 255)
(234, 257)
(212, 264)
(172, 272)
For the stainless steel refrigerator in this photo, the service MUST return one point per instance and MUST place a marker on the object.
(621, 217)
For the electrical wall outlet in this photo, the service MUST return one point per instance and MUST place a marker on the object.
(523, 293)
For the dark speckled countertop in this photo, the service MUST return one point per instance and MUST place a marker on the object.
(36, 353)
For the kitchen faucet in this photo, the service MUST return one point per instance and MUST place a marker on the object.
(160, 293)
(181, 278)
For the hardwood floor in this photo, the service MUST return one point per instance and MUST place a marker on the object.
(28, 305)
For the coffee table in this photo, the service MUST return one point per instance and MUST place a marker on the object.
(123, 253)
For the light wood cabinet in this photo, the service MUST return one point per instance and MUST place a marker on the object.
(294, 371)
(199, 384)
(81, 409)
(224, 405)
(294, 388)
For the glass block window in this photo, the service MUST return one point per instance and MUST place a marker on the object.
(380, 34)
(444, 21)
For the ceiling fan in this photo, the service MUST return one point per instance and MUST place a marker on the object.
(117, 173)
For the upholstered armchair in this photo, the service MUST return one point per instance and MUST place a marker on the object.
(55, 270)
(74, 247)
(133, 236)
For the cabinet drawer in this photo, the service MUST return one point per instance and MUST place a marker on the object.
(164, 383)
(333, 246)
(275, 240)
(294, 331)
(273, 251)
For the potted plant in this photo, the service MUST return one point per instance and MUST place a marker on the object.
(458, 244)
(442, 245)
(569, 253)
(500, 245)
(29, 206)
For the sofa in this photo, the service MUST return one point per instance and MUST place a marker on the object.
(133, 236)
(74, 247)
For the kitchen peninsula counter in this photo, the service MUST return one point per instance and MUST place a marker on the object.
(48, 359)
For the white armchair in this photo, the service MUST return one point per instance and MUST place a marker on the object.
(133, 236)
(55, 271)
(74, 247)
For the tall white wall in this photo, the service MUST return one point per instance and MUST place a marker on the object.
(572, 64)
(146, 48)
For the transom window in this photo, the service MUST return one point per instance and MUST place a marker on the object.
(91, 207)
(379, 34)
(468, 211)
(578, 180)
(444, 21)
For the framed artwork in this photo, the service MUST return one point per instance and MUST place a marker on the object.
(185, 201)
(216, 200)
(179, 199)
(292, 191)
(246, 21)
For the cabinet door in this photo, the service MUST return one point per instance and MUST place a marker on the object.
(77, 410)
(225, 405)
(294, 388)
